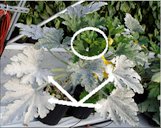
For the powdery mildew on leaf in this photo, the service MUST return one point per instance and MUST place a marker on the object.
(133, 24)
(81, 11)
(133, 52)
(28, 66)
(33, 31)
(51, 39)
(25, 101)
(123, 74)
(83, 73)
(120, 107)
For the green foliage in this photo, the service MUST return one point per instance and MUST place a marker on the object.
(100, 94)
(108, 88)
(92, 99)
(154, 47)
(114, 26)
(156, 77)
(146, 12)
(42, 10)
(150, 105)
(154, 90)
(89, 44)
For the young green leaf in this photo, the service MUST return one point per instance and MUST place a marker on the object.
(156, 77)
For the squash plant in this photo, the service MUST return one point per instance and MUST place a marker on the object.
(124, 65)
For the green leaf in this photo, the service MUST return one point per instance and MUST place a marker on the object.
(114, 26)
(109, 88)
(40, 7)
(125, 7)
(29, 20)
(143, 40)
(57, 23)
(153, 90)
(59, 5)
(89, 44)
(75, 59)
(49, 10)
(37, 20)
(150, 105)
(156, 77)
(36, 15)
(44, 15)
(154, 47)
(92, 99)
(156, 117)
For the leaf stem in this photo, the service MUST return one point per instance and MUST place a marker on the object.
(59, 76)
(58, 70)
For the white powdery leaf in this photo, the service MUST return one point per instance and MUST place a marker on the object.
(120, 107)
(124, 75)
(92, 7)
(83, 73)
(133, 52)
(132, 24)
(51, 39)
(33, 31)
(47, 36)
(80, 11)
(28, 66)
(25, 101)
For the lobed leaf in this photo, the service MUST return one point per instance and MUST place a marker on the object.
(120, 107)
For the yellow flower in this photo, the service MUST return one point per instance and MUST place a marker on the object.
(110, 41)
(136, 42)
(143, 46)
(105, 75)
(95, 76)
(106, 62)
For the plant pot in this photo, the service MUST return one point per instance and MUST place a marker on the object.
(79, 112)
(54, 116)
(141, 97)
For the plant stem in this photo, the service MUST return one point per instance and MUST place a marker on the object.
(59, 76)
(57, 57)
(58, 70)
